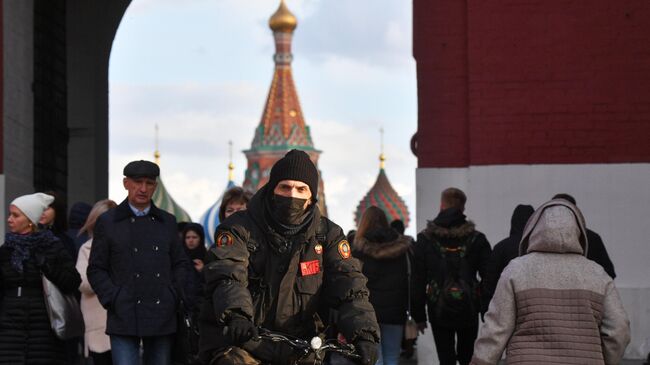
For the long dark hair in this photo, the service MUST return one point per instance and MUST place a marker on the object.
(60, 223)
(372, 218)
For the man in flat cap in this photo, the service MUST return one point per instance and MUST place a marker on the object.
(137, 268)
(282, 266)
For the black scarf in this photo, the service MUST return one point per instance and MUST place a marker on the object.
(286, 231)
(198, 252)
(24, 245)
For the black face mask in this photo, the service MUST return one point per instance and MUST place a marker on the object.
(288, 211)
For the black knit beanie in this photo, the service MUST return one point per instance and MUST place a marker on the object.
(295, 165)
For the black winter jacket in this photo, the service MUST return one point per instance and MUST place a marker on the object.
(138, 268)
(383, 254)
(450, 229)
(252, 273)
(598, 253)
(504, 251)
(26, 336)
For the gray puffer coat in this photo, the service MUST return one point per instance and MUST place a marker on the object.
(552, 305)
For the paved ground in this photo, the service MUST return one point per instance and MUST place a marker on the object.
(625, 362)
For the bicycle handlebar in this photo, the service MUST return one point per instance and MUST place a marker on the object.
(316, 345)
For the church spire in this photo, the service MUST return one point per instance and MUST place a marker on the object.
(383, 195)
(282, 126)
(156, 153)
(382, 157)
(231, 166)
(283, 20)
(161, 197)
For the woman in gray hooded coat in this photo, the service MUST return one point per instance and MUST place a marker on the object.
(552, 304)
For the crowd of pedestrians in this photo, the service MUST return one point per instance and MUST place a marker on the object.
(151, 292)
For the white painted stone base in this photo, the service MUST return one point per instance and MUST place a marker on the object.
(614, 198)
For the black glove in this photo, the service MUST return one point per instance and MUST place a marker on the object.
(367, 350)
(241, 330)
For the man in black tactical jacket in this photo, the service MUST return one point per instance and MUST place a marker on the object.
(282, 266)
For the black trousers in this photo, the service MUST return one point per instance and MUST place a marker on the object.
(449, 350)
(103, 358)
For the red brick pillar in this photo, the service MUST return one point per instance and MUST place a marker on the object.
(440, 49)
(2, 95)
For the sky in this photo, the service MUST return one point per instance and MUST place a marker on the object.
(201, 70)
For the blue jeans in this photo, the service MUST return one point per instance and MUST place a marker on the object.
(157, 350)
(391, 343)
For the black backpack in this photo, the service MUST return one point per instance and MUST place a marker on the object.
(454, 294)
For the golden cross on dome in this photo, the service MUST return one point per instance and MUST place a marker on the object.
(382, 157)
(231, 166)
(156, 153)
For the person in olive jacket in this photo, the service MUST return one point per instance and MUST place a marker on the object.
(279, 265)
(137, 268)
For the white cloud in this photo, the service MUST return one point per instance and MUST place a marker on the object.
(350, 164)
(353, 70)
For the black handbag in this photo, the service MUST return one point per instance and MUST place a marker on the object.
(63, 310)
(410, 327)
(186, 346)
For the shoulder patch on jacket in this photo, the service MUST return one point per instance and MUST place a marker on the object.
(344, 249)
(224, 239)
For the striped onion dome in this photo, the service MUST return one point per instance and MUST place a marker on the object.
(163, 200)
(210, 219)
(383, 196)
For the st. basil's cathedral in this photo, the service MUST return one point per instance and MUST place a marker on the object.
(282, 128)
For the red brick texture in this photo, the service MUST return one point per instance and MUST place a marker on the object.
(532, 81)
(2, 116)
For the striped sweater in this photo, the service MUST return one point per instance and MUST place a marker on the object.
(552, 305)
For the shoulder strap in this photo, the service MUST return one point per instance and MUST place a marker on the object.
(321, 231)
(408, 283)
(469, 243)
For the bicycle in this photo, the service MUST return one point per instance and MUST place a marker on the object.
(318, 346)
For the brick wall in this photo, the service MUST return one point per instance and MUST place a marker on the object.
(1, 88)
(520, 82)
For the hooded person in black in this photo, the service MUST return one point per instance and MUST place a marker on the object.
(76, 219)
(282, 266)
(504, 251)
(597, 251)
(448, 255)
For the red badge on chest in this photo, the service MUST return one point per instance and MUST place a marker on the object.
(310, 268)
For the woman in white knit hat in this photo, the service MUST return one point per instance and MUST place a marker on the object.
(25, 333)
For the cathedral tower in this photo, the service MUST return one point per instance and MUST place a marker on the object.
(282, 126)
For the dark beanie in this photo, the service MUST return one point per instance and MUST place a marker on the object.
(295, 165)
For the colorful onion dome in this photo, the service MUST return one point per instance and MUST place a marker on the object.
(383, 196)
(210, 219)
(283, 20)
(163, 200)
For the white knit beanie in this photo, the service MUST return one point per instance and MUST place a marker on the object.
(33, 205)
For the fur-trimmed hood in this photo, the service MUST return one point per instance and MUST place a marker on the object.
(382, 246)
(434, 230)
